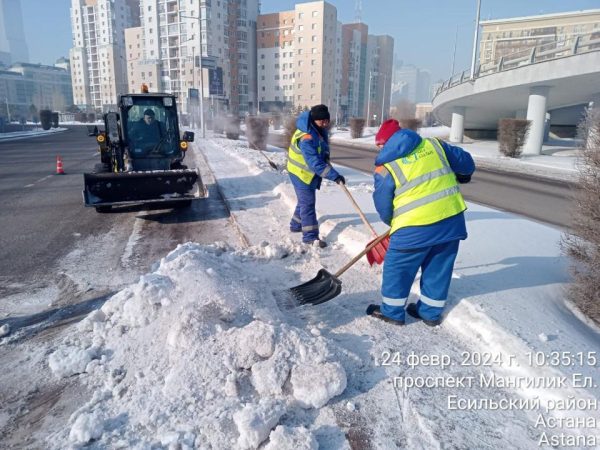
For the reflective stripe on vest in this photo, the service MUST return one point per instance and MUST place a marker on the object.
(296, 163)
(426, 187)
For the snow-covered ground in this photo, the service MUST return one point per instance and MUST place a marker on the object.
(203, 353)
(16, 135)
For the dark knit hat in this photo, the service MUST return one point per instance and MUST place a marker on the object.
(149, 112)
(319, 112)
(387, 129)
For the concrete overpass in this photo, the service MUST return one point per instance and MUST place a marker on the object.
(557, 78)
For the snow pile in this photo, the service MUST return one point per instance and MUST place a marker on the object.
(196, 354)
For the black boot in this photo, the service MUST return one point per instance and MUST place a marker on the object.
(375, 311)
(411, 310)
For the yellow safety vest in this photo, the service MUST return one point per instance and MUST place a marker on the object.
(426, 187)
(296, 163)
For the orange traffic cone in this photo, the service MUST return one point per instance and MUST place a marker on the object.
(59, 166)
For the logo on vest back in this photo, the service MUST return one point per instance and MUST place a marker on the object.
(415, 156)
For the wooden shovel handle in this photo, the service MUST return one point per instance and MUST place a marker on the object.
(360, 213)
(367, 249)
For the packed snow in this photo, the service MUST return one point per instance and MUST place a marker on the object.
(206, 351)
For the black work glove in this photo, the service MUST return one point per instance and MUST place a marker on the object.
(340, 179)
(463, 179)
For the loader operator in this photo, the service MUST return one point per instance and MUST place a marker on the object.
(147, 133)
(308, 163)
(417, 194)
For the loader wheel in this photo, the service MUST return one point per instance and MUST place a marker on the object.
(103, 209)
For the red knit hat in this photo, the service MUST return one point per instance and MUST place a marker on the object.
(387, 129)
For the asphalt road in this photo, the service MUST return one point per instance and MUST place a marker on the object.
(43, 220)
(540, 199)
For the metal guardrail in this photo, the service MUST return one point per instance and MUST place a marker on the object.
(548, 51)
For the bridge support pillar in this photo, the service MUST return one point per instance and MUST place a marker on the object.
(536, 112)
(457, 128)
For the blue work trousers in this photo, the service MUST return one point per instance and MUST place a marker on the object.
(400, 269)
(305, 216)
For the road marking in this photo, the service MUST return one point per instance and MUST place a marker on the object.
(38, 181)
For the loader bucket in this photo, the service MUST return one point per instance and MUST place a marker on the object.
(121, 188)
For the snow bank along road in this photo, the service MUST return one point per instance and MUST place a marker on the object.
(199, 352)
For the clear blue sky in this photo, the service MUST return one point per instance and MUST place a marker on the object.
(423, 30)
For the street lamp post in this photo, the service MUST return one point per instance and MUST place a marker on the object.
(383, 96)
(369, 100)
(475, 39)
(7, 109)
(199, 19)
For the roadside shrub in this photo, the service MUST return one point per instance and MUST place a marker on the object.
(511, 136)
(257, 132)
(290, 128)
(411, 123)
(583, 244)
(46, 118)
(91, 117)
(54, 120)
(232, 127)
(357, 126)
(81, 117)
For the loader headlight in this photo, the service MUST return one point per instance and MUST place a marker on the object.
(100, 138)
(183, 145)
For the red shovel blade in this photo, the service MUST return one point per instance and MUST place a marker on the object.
(377, 254)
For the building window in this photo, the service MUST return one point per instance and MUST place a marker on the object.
(312, 62)
(314, 26)
(300, 40)
(314, 39)
(299, 51)
(299, 97)
(315, 13)
(314, 50)
(300, 27)
(300, 15)
(262, 56)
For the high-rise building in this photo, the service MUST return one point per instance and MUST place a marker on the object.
(299, 57)
(379, 59)
(98, 65)
(412, 84)
(176, 38)
(13, 47)
(354, 74)
(504, 37)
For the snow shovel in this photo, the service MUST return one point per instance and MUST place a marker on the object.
(377, 253)
(326, 286)
(271, 163)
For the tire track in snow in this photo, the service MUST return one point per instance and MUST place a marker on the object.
(134, 237)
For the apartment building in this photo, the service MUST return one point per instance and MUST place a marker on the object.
(98, 65)
(176, 38)
(299, 58)
(503, 37)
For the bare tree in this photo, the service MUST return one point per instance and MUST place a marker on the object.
(583, 245)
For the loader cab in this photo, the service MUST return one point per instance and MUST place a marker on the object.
(150, 130)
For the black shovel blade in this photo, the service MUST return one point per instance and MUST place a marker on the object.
(320, 289)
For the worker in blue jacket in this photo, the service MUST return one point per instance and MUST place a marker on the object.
(417, 194)
(308, 163)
